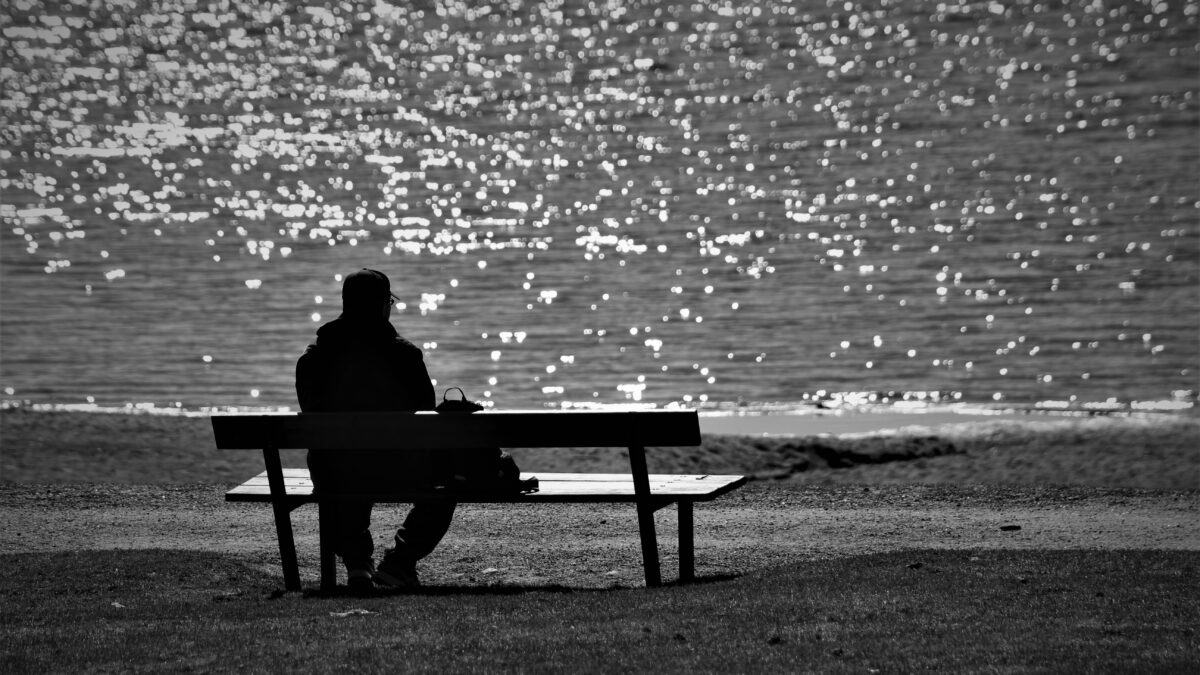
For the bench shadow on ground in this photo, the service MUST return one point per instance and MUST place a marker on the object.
(119, 575)
(1090, 585)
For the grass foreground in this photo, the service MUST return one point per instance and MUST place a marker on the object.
(953, 611)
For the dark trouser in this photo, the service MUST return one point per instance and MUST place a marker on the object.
(369, 472)
(421, 532)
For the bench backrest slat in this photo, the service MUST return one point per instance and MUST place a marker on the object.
(505, 429)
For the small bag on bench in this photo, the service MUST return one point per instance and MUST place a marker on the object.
(478, 469)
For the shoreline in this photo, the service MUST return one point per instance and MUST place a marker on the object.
(849, 422)
(1141, 451)
(761, 420)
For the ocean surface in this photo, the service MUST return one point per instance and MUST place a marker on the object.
(727, 205)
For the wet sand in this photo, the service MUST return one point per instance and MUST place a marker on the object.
(816, 422)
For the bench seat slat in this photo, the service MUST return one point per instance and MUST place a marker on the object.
(301, 474)
(554, 487)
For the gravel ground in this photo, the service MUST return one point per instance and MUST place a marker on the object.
(762, 525)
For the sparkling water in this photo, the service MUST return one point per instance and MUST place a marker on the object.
(712, 203)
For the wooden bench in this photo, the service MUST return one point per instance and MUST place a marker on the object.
(287, 488)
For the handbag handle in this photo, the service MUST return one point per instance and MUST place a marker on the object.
(457, 405)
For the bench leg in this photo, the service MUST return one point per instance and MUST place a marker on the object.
(687, 543)
(283, 520)
(645, 510)
(328, 559)
(287, 547)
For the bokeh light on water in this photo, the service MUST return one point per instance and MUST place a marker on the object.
(606, 202)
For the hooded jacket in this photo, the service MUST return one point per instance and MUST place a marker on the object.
(362, 364)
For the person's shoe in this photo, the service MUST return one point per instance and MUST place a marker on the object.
(360, 577)
(397, 574)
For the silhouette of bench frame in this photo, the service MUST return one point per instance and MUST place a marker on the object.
(417, 434)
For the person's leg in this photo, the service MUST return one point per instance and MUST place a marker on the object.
(352, 539)
(351, 520)
(424, 528)
(421, 532)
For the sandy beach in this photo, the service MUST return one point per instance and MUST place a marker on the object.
(76, 480)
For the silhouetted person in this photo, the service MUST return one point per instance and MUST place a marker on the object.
(360, 363)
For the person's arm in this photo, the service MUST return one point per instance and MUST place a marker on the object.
(310, 384)
(423, 386)
(411, 384)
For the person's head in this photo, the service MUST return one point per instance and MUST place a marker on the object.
(367, 293)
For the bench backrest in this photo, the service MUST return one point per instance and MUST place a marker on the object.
(426, 430)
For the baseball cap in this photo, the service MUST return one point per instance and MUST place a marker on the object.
(366, 287)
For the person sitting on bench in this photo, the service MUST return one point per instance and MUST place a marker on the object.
(360, 363)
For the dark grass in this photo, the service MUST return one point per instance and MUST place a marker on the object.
(982, 611)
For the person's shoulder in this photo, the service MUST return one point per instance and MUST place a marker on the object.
(404, 346)
(312, 358)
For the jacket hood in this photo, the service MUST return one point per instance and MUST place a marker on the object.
(346, 329)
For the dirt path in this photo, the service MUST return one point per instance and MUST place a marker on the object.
(760, 526)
